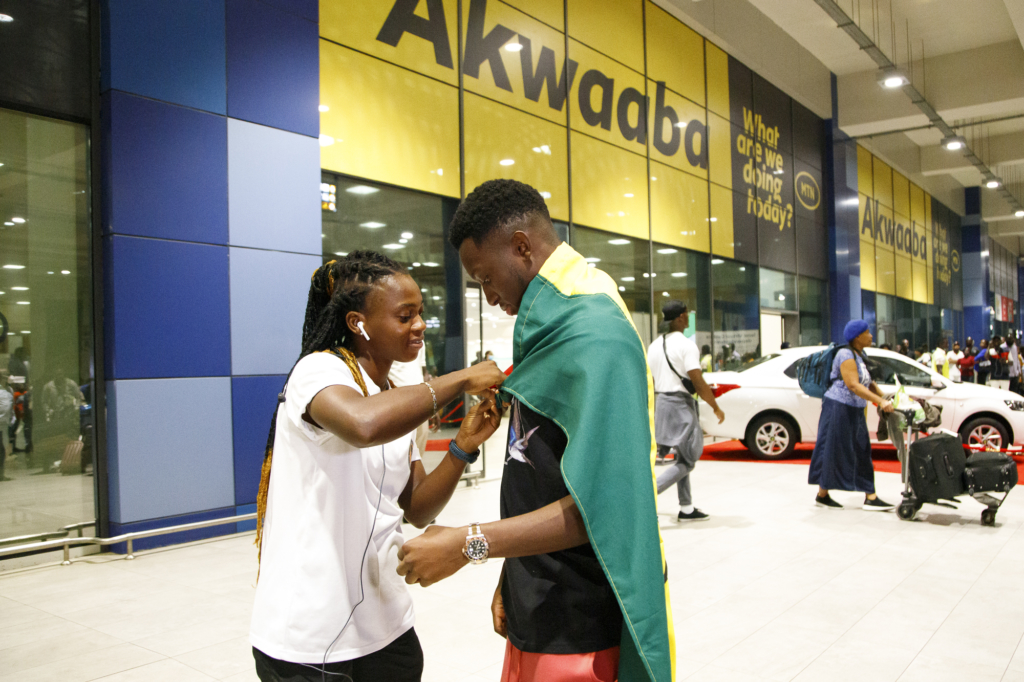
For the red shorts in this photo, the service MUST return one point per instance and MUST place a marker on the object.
(521, 666)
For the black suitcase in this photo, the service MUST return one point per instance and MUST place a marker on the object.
(937, 465)
(989, 472)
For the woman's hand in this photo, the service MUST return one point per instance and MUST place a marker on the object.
(886, 406)
(480, 424)
(482, 377)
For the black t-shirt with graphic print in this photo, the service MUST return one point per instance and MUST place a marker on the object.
(557, 603)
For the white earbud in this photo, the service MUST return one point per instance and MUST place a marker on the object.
(362, 330)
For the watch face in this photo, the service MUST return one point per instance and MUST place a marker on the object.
(476, 549)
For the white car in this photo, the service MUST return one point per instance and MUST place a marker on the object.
(765, 408)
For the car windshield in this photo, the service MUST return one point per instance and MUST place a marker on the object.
(754, 363)
(885, 370)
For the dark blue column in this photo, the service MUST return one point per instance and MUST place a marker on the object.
(975, 262)
(843, 237)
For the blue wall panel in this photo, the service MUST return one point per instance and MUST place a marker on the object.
(307, 9)
(174, 449)
(171, 51)
(269, 290)
(273, 189)
(167, 172)
(174, 538)
(273, 61)
(253, 400)
(167, 309)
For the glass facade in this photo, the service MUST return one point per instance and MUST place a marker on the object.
(46, 341)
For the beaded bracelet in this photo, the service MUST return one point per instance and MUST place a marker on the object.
(459, 453)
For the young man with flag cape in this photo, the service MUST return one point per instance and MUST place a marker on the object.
(584, 591)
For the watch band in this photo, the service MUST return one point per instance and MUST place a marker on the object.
(459, 453)
(476, 548)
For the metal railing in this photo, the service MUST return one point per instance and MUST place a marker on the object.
(67, 543)
(61, 532)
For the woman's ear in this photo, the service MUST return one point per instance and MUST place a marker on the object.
(352, 320)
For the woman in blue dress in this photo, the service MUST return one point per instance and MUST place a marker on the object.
(842, 453)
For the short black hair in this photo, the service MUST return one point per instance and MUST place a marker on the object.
(496, 204)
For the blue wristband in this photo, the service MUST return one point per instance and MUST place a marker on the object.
(467, 457)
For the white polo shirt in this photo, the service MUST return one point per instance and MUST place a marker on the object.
(684, 355)
(320, 510)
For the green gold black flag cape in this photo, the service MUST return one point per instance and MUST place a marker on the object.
(580, 362)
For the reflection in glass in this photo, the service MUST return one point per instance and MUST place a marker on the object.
(737, 313)
(813, 312)
(778, 290)
(404, 225)
(683, 276)
(627, 261)
(46, 449)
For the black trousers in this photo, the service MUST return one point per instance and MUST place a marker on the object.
(400, 661)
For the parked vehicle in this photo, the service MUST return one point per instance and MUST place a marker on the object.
(765, 408)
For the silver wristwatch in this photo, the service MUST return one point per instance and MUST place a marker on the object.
(476, 548)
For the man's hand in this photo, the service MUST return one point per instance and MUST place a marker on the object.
(720, 415)
(498, 611)
(433, 556)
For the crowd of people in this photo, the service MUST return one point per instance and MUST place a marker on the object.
(994, 359)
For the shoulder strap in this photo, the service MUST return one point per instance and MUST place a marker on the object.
(664, 345)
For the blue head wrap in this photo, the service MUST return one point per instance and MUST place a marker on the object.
(854, 328)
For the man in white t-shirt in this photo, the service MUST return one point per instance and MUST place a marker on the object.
(939, 361)
(675, 367)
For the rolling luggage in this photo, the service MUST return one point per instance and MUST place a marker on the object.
(937, 464)
(71, 461)
(934, 469)
(990, 472)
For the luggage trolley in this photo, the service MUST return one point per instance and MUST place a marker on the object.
(900, 420)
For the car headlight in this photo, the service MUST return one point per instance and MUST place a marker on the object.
(1015, 405)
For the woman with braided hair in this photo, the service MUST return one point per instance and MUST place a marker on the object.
(340, 471)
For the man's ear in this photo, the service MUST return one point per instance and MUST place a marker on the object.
(522, 246)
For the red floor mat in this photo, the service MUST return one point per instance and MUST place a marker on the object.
(883, 456)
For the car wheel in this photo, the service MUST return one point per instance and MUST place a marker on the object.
(771, 436)
(985, 432)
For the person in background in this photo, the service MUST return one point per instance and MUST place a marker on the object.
(939, 361)
(996, 350)
(905, 348)
(923, 356)
(885, 346)
(969, 348)
(953, 359)
(842, 453)
(1013, 364)
(966, 364)
(705, 358)
(6, 410)
(983, 363)
(785, 345)
(675, 367)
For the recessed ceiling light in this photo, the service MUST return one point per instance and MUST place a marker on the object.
(667, 251)
(891, 78)
(1, 164)
(6, 18)
(431, 265)
(324, 108)
(546, 195)
(681, 124)
(992, 184)
(407, 235)
(664, 293)
(507, 162)
(423, 290)
(622, 288)
(403, 241)
(953, 143)
(436, 298)
(341, 253)
(743, 269)
(8, 223)
(19, 288)
(618, 242)
(514, 47)
(65, 272)
(362, 189)
(592, 260)
(679, 274)
(1019, 214)
(26, 331)
(717, 261)
(17, 220)
(11, 266)
(50, 272)
(22, 302)
(373, 225)
(392, 247)
(326, 140)
(415, 265)
(628, 279)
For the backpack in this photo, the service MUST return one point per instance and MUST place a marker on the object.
(814, 372)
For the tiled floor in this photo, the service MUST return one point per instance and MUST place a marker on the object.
(771, 588)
